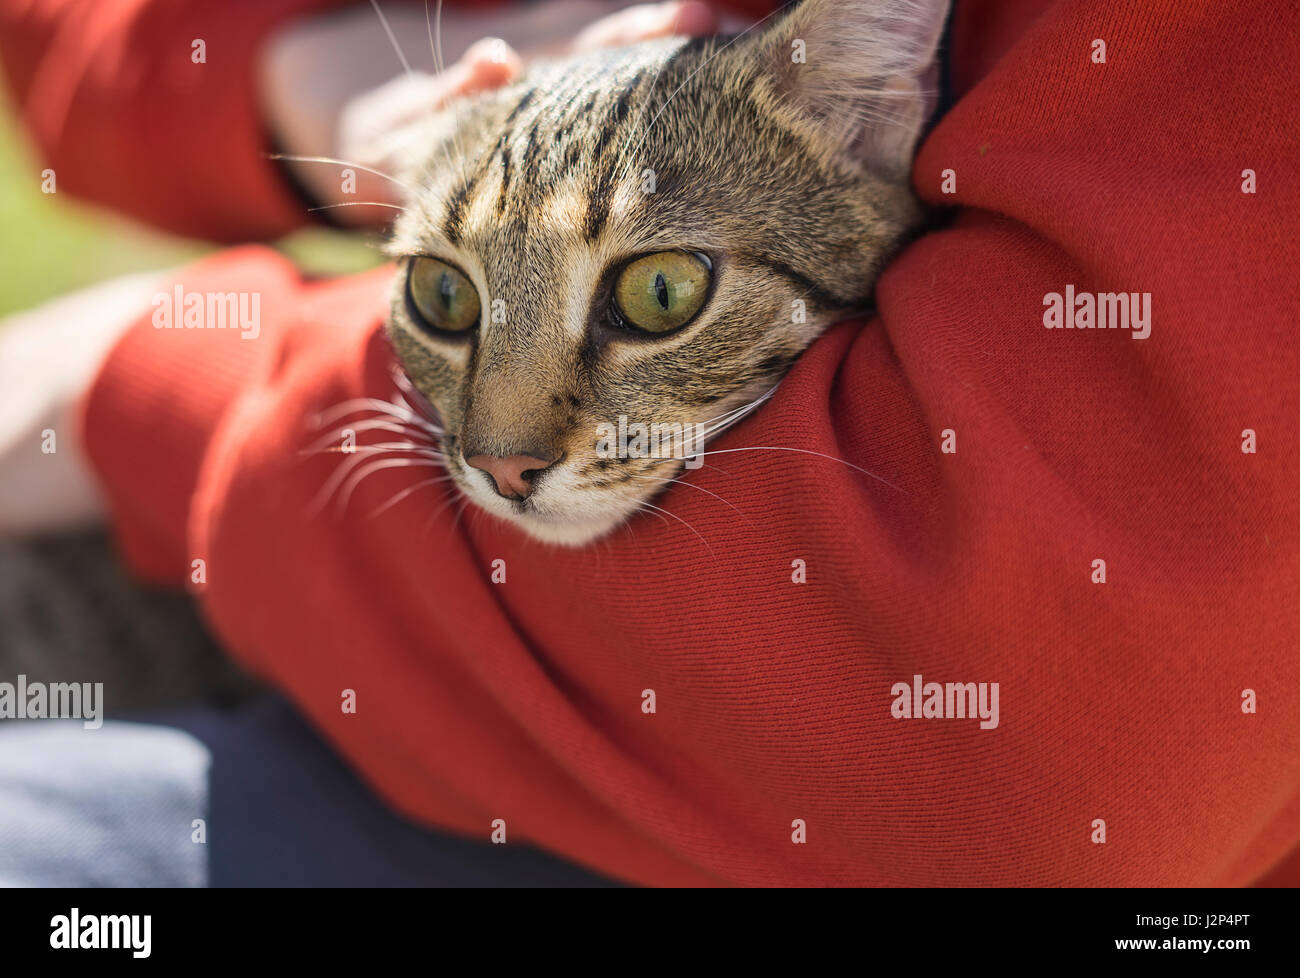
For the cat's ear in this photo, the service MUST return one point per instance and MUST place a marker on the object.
(863, 71)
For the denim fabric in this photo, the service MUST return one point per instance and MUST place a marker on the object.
(285, 811)
(113, 806)
(116, 806)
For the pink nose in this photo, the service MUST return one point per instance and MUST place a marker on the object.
(513, 474)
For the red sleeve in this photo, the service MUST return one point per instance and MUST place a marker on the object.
(150, 417)
(126, 117)
(1158, 707)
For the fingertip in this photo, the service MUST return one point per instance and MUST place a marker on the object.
(692, 18)
(489, 63)
(495, 50)
(648, 22)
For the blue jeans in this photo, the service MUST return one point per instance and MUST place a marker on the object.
(121, 806)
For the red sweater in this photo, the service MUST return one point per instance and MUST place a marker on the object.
(1119, 701)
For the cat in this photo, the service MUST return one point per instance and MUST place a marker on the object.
(652, 233)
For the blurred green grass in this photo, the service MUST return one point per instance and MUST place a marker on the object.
(52, 243)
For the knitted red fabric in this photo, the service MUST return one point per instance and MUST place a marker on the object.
(1120, 702)
(127, 116)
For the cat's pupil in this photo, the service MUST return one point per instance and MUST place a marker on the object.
(445, 289)
(661, 291)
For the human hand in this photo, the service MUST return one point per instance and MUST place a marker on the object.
(328, 91)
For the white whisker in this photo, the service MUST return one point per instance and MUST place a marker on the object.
(691, 485)
(725, 421)
(371, 424)
(751, 405)
(460, 512)
(433, 518)
(344, 468)
(372, 466)
(405, 493)
(392, 38)
(801, 451)
(357, 203)
(645, 508)
(391, 408)
(643, 503)
(427, 451)
(330, 159)
(440, 65)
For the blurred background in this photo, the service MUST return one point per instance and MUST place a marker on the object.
(67, 606)
(52, 243)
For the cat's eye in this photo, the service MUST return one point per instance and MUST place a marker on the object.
(442, 296)
(661, 292)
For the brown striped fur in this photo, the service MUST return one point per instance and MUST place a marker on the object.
(791, 176)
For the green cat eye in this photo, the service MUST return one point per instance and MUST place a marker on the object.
(442, 296)
(660, 292)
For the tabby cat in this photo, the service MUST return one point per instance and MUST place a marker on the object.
(653, 233)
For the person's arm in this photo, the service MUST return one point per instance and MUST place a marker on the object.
(152, 108)
(171, 111)
(48, 357)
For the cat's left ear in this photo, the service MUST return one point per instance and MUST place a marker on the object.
(863, 71)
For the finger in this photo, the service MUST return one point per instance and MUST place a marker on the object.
(487, 64)
(647, 21)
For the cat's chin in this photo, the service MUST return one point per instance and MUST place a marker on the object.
(565, 533)
(564, 528)
(556, 518)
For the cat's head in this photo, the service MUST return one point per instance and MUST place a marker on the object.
(654, 234)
